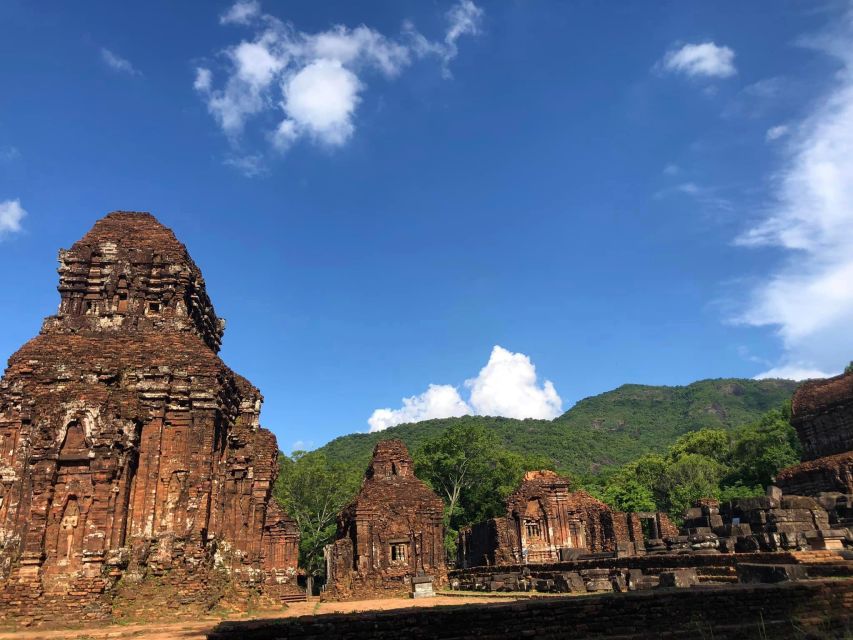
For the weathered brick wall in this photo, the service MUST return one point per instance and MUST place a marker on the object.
(647, 563)
(565, 519)
(126, 445)
(391, 531)
(822, 414)
(818, 609)
(832, 473)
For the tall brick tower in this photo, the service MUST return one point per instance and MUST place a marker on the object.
(127, 447)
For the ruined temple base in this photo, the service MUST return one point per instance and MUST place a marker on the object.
(172, 595)
(811, 478)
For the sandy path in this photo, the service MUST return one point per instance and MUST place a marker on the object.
(197, 629)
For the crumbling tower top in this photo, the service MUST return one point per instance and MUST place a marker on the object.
(130, 274)
(391, 459)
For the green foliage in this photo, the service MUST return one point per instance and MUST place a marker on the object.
(763, 447)
(313, 491)
(467, 466)
(710, 463)
(631, 495)
(849, 368)
(604, 431)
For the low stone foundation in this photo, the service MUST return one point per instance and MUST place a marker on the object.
(640, 572)
(816, 609)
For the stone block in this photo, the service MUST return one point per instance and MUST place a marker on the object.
(754, 572)
(679, 578)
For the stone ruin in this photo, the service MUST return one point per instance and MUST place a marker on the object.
(822, 414)
(811, 508)
(554, 540)
(545, 521)
(130, 454)
(390, 538)
(775, 522)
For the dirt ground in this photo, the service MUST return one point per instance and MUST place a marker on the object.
(198, 629)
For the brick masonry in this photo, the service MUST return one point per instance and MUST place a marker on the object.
(822, 414)
(131, 456)
(545, 521)
(392, 531)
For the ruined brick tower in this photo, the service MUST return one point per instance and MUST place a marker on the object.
(822, 414)
(390, 533)
(127, 447)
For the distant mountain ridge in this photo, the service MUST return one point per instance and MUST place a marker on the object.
(609, 429)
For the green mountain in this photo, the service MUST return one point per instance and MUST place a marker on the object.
(604, 430)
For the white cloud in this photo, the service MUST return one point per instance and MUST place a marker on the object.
(507, 386)
(809, 299)
(793, 372)
(774, 133)
(242, 12)
(439, 401)
(203, 80)
(705, 59)
(320, 100)
(11, 214)
(313, 82)
(117, 63)
(671, 169)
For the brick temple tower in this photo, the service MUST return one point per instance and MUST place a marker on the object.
(392, 532)
(127, 447)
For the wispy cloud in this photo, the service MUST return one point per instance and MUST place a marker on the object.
(774, 133)
(249, 165)
(809, 299)
(314, 82)
(241, 12)
(706, 59)
(11, 215)
(302, 445)
(117, 63)
(506, 386)
(760, 98)
(9, 154)
(708, 198)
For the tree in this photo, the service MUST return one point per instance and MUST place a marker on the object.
(630, 495)
(760, 449)
(849, 367)
(692, 476)
(313, 492)
(709, 463)
(472, 473)
(715, 444)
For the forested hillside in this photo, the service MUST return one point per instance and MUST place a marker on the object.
(606, 430)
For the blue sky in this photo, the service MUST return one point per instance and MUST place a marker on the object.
(498, 207)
